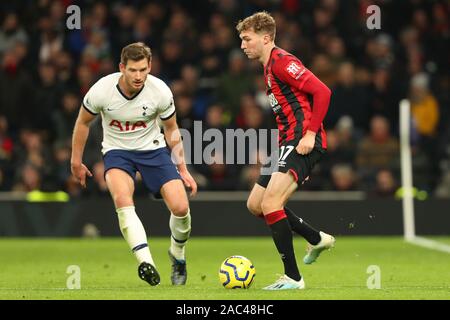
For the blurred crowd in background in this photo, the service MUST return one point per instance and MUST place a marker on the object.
(46, 69)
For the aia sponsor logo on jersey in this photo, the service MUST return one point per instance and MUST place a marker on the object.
(295, 70)
(127, 125)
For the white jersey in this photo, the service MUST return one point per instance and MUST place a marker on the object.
(130, 123)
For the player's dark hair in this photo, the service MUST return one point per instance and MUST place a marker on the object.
(260, 22)
(135, 51)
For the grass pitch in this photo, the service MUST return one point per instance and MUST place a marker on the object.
(37, 269)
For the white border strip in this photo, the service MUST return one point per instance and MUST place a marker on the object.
(298, 196)
(240, 196)
(430, 244)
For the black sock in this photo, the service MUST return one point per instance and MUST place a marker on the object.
(282, 236)
(302, 228)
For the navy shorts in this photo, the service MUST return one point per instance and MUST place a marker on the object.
(155, 166)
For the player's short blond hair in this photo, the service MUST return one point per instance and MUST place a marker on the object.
(135, 51)
(260, 22)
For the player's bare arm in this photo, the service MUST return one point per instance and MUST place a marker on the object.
(174, 142)
(80, 135)
(321, 97)
(306, 143)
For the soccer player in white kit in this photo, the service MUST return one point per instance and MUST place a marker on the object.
(132, 103)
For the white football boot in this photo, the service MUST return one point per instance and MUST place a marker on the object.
(313, 251)
(286, 283)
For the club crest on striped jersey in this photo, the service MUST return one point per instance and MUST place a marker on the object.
(295, 70)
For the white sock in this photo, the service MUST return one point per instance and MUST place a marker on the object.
(181, 229)
(134, 233)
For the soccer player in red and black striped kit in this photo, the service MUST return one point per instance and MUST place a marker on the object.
(302, 142)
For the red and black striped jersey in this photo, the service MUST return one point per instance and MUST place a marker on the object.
(285, 76)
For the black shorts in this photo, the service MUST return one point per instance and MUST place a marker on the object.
(300, 166)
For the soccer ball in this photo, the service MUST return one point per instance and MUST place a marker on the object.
(237, 272)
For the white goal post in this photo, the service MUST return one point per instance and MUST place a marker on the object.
(409, 229)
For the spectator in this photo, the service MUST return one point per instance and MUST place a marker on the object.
(215, 117)
(64, 117)
(386, 185)
(345, 91)
(185, 118)
(424, 107)
(124, 19)
(15, 90)
(385, 96)
(250, 115)
(234, 83)
(61, 168)
(172, 59)
(343, 178)
(425, 114)
(11, 33)
(209, 61)
(46, 99)
(378, 150)
(30, 179)
(219, 175)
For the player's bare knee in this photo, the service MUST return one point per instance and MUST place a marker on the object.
(266, 206)
(271, 203)
(254, 207)
(121, 201)
(180, 209)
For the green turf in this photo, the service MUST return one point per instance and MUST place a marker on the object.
(36, 269)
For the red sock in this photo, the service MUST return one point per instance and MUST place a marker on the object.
(275, 216)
